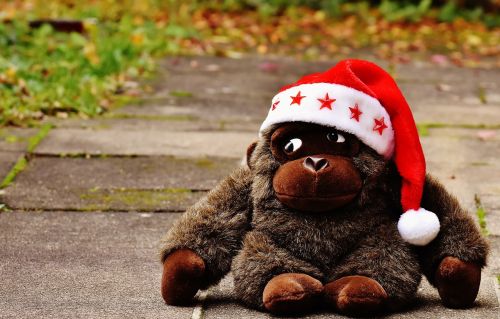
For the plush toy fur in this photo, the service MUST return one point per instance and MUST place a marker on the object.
(281, 257)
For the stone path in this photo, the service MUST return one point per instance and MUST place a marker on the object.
(81, 232)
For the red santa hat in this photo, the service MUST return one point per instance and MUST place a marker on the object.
(360, 98)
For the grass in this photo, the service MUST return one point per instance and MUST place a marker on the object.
(153, 117)
(481, 94)
(22, 161)
(181, 94)
(204, 163)
(423, 128)
(18, 167)
(481, 215)
(48, 73)
(104, 199)
(38, 137)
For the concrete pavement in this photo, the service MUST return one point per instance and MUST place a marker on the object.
(87, 213)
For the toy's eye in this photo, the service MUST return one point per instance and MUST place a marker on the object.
(335, 137)
(292, 145)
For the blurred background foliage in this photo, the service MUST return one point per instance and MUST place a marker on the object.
(391, 10)
(47, 72)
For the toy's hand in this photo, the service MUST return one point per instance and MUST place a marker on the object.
(457, 282)
(183, 275)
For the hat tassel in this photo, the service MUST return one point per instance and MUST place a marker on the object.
(418, 226)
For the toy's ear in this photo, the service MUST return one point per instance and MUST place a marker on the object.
(250, 150)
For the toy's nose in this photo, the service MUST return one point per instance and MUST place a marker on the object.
(315, 164)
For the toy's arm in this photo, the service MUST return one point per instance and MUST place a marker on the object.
(198, 250)
(459, 236)
(453, 260)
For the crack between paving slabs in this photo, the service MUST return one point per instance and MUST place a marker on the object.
(23, 160)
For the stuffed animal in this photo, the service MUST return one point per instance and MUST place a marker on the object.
(334, 209)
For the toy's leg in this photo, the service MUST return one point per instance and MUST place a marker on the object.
(382, 274)
(355, 296)
(452, 262)
(270, 278)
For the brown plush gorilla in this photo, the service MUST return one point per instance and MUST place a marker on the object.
(313, 219)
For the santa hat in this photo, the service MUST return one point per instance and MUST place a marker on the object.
(360, 98)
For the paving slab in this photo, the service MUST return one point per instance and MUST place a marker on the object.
(494, 259)
(491, 204)
(224, 86)
(462, 145)
(468, 165)
(449, 109)
(125, 183)
(188, 74)
(228, 76)
(79, 265)
(14, 139)
(439, 112)
(137, 122)
(226, 107)
(422, 81)
(124, 142)
(219, 303)
(227, 88)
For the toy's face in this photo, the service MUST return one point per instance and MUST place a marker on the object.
(316, 172)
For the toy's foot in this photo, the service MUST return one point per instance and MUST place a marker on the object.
(183, 274)
(355, 296)
(457, 282)
(291, 293)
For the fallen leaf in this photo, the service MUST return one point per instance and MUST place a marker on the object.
(486, 135)
(212, 68)
(267, 66)
(439, 59)
(443, 87)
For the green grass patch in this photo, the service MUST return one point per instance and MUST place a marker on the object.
(181, 94)
(423, 128)
(479, 163)
(481, 94)
(22, 162)
(105, 199)
(175, 117)
(44, 72)
(19, 166)
(222, 125)
(38, 137)
(205, 163)
(12, 139)
(481, 215)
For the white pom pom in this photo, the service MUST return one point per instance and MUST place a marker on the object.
(418, 227)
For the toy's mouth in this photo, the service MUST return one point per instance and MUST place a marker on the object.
(316, 203)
